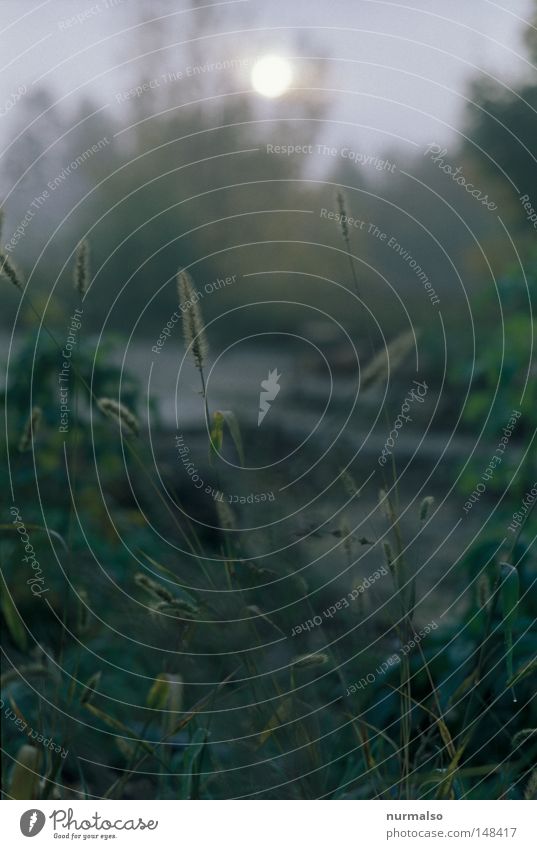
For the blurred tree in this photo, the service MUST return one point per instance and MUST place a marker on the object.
(501, 126)
(181, 176)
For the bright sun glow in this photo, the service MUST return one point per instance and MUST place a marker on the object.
(272, 76)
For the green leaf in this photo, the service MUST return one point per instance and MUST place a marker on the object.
(523, 671)
(30, 527)
(191, 765)
(13, 619)
(282, 714)
(216, 435)
(509, 594)
(89, 688)
(166, 693)
(117, 726)
(158, 693)
(159, 566)
(221, 417)
(25, 774)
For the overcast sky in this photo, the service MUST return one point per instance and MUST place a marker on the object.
(398, 68)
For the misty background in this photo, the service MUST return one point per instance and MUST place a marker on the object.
(182, 176)
(370, 230)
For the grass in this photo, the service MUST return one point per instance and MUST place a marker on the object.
(160, 658)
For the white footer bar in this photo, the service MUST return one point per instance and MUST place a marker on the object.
(270, 824)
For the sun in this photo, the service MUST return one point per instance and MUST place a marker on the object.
(272, 76)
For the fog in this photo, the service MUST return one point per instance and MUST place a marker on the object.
(397, 70)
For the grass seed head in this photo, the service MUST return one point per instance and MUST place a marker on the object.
(89, 688)
(193, 327)
(164, 686)
(30, 429)
(313, 659)
(349, 484)
(483, 594)
(9, 271)
(388, 555)
(388, 359)
(153, 587)
(176, 607)
(523, 736)
(343, 216)
(81, 271)
(425, 507)
(226, 517)
(385, 505)
(121, 414)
